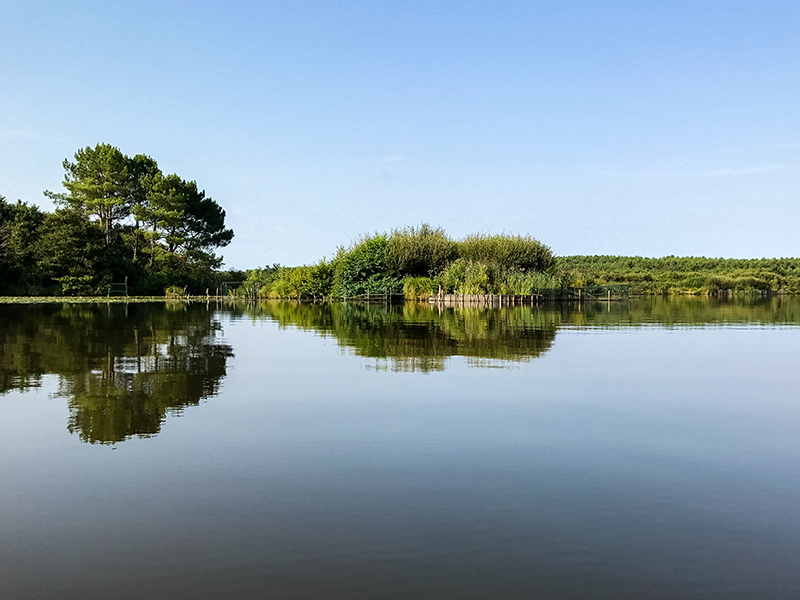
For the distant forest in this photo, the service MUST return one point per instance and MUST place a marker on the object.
(119, 220)
(694, 275)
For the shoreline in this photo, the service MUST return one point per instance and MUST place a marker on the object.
(454, 299)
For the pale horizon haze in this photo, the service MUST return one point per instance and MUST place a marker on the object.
(630, 128)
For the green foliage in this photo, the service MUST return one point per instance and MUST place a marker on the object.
(320, 279)
(417, 261)
(313, 281)
(174, 292)
(155, 230)
(697, 275)
(525, 284)
(70, 251)
(479, 278)
(511, 252)
(81, 285)
(362, 269)
(98, 183)
(419, 251)
(471, 277)
(20, 227)
(177, 227)
(452, 278)
(262, 278)
(418, 288)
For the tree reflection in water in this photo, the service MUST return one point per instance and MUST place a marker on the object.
(122, 367)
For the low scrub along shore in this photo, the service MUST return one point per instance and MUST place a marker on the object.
(418, 262)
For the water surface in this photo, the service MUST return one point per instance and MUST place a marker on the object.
(647, 450)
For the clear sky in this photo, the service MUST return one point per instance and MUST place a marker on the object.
(599, 127)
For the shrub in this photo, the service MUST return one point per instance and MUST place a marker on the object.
(320, 279)
(716, 283)
(362, 268)
(453, 276)
(300, 282)
(477, 279)
(264, 277)
(76, 285)
(174, 292)
(469, 277)
(749, 284)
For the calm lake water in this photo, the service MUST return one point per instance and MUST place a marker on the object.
(642, 449)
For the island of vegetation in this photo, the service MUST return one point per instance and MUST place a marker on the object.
(122, 220)
(420, 262)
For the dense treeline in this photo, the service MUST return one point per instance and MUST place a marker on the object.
(417, 262)
(672, 274)
(120, 220)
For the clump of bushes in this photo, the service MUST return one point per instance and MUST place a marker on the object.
(175, 292)
(720, 283)
(415, 262)
(362, 269)
(307, 281)
(469, 277)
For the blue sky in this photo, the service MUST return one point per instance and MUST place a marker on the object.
(644, 128)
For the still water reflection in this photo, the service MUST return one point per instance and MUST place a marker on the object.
(648, 449)
(415, 337)
(123, 368)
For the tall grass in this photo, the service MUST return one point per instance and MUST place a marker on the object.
(512, 252)
(419, 251)
(473, 277)
(418, 288)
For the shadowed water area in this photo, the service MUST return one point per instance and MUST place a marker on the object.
(646, 449)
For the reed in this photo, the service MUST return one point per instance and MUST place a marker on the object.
(513, 252)
(419, 251)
